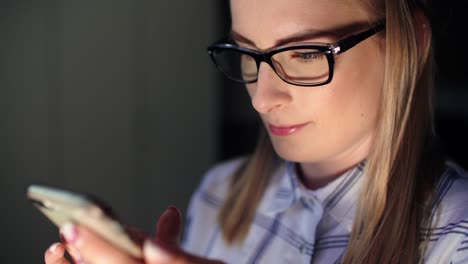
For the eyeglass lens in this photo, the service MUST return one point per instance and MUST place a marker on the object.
(306, 66)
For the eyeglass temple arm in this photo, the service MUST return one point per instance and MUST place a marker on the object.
(352, 40)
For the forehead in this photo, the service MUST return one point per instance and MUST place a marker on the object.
(264, 21)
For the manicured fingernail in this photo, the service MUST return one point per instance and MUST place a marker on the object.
(53, 247)
(69, 233)
(77, 258)
(156, 253)
(173, 209)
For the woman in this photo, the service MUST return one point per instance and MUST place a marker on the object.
(348, 170)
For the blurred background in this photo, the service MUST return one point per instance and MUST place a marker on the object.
(119, 98)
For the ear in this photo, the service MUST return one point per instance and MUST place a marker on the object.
(423, 31)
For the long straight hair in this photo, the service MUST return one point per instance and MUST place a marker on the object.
(404, 164)
(399, 181)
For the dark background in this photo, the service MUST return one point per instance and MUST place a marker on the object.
(119, 98)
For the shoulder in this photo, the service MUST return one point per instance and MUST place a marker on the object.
(448, 233)
(215, 184)
(202, 214)
(452, 192)
(218, 178)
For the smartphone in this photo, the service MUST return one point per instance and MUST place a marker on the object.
(61, 206)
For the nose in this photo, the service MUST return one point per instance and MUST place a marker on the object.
(269, 93)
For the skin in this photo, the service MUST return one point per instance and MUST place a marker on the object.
(341, 117)
(87, 247)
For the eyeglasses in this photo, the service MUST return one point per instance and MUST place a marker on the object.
(309, 64)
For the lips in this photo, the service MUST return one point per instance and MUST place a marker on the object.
(285, 130)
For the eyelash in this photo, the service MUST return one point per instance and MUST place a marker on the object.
(307, 57)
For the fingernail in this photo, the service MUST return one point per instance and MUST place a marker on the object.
(77, 257)
(69, 233)
(156, 253)
(173, 210)
(53, 247)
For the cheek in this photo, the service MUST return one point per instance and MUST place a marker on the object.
(357, 87)
(344, 112)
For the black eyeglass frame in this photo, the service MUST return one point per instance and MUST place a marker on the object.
(329, 49)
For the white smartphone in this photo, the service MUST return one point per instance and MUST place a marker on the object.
(62, 206)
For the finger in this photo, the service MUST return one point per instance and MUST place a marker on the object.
(168, 229)
(55, 254)
(158, 253)
(93, 248)
(74, 253)
(138, 236)
(71, 250)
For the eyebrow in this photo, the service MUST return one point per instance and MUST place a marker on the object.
(300, 36)
(303, 35)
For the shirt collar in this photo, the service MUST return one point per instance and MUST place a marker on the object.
(338, 197)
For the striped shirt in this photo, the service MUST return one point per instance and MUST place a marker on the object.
(296, 225)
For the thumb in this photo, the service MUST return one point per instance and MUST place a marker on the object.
(168, 229)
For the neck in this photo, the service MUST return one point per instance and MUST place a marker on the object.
(318, 174)
(322, 175)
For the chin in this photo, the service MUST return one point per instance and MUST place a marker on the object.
(294, 153)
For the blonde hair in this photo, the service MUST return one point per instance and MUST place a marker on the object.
(399, 183)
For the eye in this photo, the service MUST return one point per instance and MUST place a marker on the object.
(308, 56)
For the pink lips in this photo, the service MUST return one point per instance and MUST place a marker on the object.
(285, 130)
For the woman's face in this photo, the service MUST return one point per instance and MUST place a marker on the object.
(333, 122)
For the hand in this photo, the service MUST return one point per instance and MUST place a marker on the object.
(86, 247)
